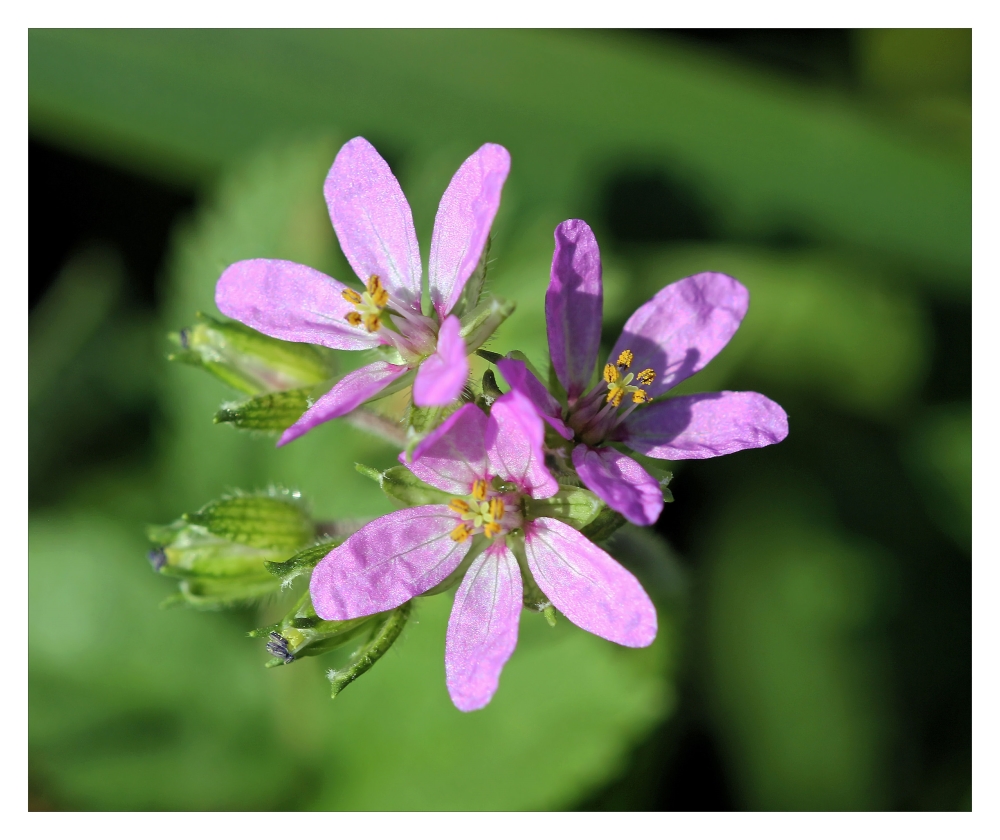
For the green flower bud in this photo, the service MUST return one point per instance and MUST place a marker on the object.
(250, 361)
(268, 412)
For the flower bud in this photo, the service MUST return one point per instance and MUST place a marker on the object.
(268, 412)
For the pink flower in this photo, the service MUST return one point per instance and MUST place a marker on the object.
(375, 228)
(667, 339)
(491, 466)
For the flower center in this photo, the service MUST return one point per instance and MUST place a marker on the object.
(369, 306)
(593, 421)
(484, 512)
(412, 334)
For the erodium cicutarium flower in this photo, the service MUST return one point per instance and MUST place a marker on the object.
(374, 225)
(666, 340)
(492, 466)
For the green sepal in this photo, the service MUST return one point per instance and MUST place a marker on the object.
(575, 506)
(385, 633)
(204, 593)
(491, 390)
(479, 545)
(304, 561)
(532, 596)
(401, 485)
(248, 360)
(469, 298)
(260, 520)
(479, 324)
(267, 413)
(603, 525)
(490, 356)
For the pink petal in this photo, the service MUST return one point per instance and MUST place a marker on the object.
(482, 630)
(373, 220)
(443, 374)
(290, 301)
(389, 561)
(521, 379)
(573, 305)
(355, 388)
(514, 436)
(453, 456)
(621, 482)
(463, 221)
(705, 425)
(683, 327)
(587, 585)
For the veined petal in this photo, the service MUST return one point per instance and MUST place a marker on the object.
(683, 327)
(521, 379)
(705, 425)
(389, 561)
(292, 302)
(453, 456)
(573, 306)
(355, 388)
(514, 435)
(621, 482)
(587, 585)
(443, 374)
(463, 221)
(373, 220)
(482, 630)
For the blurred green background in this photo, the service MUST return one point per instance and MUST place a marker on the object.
(814, 597)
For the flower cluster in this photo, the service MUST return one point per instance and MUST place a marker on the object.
(492, 481)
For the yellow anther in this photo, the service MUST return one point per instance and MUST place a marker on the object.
(615, 396)
(373, 284)
(639, 396)
(496, 509)
(351, 296)
(610, 374)
(459, 506)
(372, 323)
(479, 490)
(380, 298)
(491, 529)
(461, 533)
(646, 377)
(354, 319)
(625, 359)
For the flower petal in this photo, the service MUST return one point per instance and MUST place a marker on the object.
(514, 435)
(482, 630)
(389, 561)
(587, 585)
(683, 327)
(573, 305)
(521, 379)
(355, 388)
(453, 456)
(373, 220)
(463, 221)
(443, 374)
(621, 482)
(705, 425)
(290, 301)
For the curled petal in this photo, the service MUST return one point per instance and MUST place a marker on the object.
(588, 585)
(355, 388)
(621, 482)
(573, 306)
(514, 435)
(463, 221)
(482, 630)
(292, 302)
(389, 561)
(373, 220)
(453, 456)
(443, 374)
(705, 425)
(521, 379)
(683, 327)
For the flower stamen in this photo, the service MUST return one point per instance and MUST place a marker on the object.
(625, 359)
(479, 490)
(461, 533)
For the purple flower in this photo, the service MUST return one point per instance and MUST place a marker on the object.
(667, 339)
(375, 228)
(492, 466)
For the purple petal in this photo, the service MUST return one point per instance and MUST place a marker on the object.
(623, 485)
(482, 630)
(453, 456)
(514, 436)
(443, 374)
(683, 327)
(705, 425)
(463, 222)
(373, 220)
(292, 302)
(587, 585)
(355, 388)
(523, 380)
(573, 304)
(389, 561)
